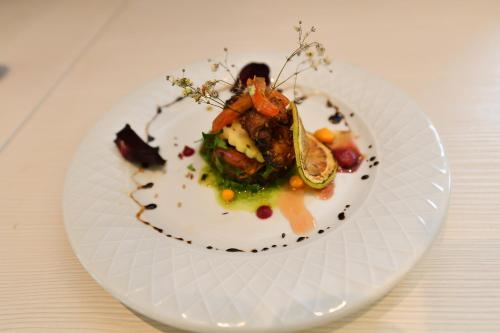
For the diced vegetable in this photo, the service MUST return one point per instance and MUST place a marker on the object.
(296, 182)
(227, 195)
(324, 135)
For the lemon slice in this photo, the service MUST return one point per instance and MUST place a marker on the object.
(315, 161)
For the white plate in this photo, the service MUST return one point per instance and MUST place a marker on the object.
(394, 215)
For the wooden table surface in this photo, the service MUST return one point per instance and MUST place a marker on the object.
(63, 64)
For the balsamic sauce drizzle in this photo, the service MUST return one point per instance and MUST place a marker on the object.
(151, 206)
(341, 215)
(374, 161)
(159, 110)
(139, 186)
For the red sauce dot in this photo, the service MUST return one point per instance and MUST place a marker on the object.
(188, 151)
(264, 212)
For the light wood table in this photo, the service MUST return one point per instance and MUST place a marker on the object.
(69, 62)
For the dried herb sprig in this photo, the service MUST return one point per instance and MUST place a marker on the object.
(224, 64)
(314, 55)
(207, 93)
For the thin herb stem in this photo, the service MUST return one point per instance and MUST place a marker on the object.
(281, 71)
(219, 102)
(292, 75)
(295, 87)
(225, 65)
(227, 70)
(301, 48)
(225, 82)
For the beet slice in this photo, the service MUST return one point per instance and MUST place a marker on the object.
(135, 150)
(248, 72)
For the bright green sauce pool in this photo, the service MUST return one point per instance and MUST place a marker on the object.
(248, 197)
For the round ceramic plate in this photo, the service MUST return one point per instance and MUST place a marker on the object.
(182, 269)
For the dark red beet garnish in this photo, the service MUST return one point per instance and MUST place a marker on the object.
(264, 212)
(135, 150)
(248, 72)
(187, 151)
(348, 158)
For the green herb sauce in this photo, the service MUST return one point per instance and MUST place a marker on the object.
(248, 197)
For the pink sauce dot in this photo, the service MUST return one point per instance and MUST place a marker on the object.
(264, 212)
(188, 151)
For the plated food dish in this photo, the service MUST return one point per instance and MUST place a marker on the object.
(160, 234)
